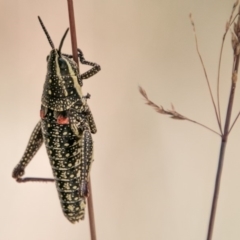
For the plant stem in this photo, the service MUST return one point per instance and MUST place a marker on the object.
(206, 76)
(216, 190)
(234, 122)
(75, 58)
(73, 31)
(91, 212)
(222, 150)
(200, 124)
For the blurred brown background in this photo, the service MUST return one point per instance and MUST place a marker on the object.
(153, 177)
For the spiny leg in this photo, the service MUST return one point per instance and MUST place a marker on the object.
(86, 146)
(35, 142)
(96, 68)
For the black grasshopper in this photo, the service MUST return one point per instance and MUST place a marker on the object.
(65, 127)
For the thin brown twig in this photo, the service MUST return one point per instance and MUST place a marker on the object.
(234, 122)
(206, 76)
(91, 212)
(218, 79)
(73, 31)
(232, 21)
(75, 57)
(228, 25)
(172, 113)
(200, 124)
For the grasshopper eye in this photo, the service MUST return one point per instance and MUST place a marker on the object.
(62, 63)
(47, 58)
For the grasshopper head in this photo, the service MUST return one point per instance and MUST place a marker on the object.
(60, 64)
(56, 60)
(63, 83)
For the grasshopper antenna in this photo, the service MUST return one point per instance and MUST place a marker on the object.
(46, 32)
(61, 43)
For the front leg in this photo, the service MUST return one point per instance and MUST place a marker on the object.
(35, 142)
(95, 67)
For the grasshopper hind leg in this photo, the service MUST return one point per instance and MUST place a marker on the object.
(35, 142)
(86, 161)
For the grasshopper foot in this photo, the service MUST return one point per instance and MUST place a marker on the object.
(18, 172)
